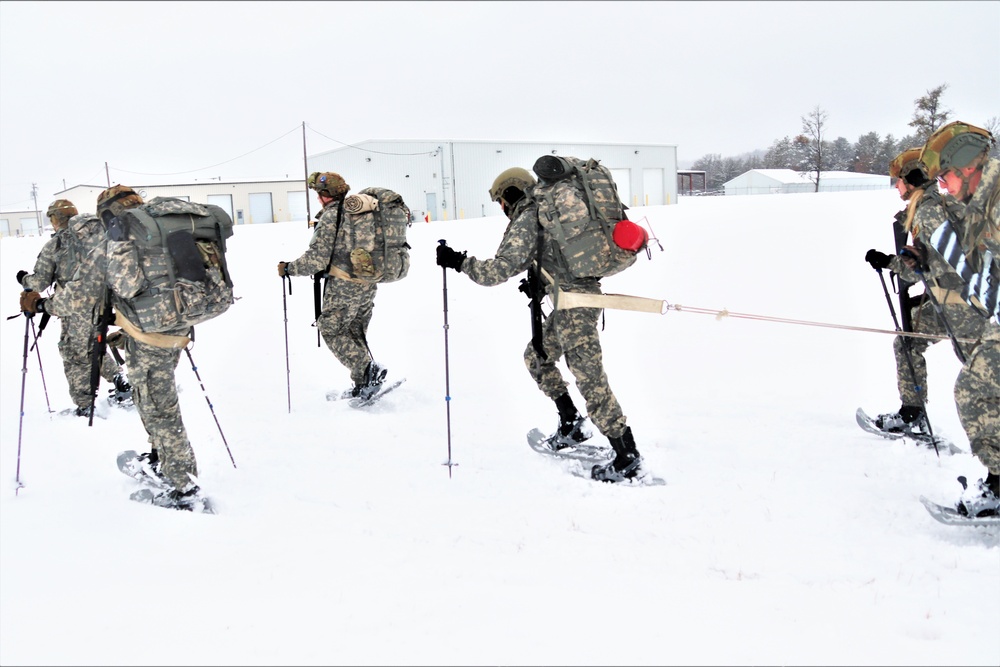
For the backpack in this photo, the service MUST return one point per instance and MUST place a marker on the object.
(83, 230)
(377, 244)
(180, 249)
(578, 205)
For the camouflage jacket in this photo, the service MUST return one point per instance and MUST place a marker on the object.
(97, 272)
(47, 265)
(930, 213)
(77, 247)
(327, 246)
(519, 248)
(979, 217)
(976, 223)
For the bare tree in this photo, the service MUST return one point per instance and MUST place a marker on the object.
(811, 139)
(929, 114)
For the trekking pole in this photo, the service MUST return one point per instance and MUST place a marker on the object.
(447, 380)
(195, 369)
(937, 306)
(41, 371)
(909, 362)
(41, 329)
(288, 368)
(20, 426)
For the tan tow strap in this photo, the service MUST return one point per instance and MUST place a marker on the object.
(155, 339)
(565, 300)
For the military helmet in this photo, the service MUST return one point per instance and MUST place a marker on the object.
(515, 177)
(116, 199)
(328, 183)
(907, 166)
(954, 145)
(61, 208)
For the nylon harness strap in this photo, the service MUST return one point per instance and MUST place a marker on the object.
(162, 340)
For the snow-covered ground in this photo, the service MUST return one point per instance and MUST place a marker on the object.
(784, 535)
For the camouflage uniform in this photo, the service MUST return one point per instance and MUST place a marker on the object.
(572, 332)
(977, 389)
(348, 301)
(57, 263)
(154, 389)
(965, 321)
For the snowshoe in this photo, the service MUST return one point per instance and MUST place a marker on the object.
(189, 500)
(977, 501)
(374, 377)
(569, 434)
(121, 394)
(624, 468)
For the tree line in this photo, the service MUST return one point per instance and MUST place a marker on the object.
(812, 152)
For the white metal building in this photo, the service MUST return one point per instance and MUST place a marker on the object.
(23, 223)
(451, 179)
(247, 202)
(785, 181)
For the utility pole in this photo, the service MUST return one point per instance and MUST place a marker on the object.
(38, 214)
(305, 167)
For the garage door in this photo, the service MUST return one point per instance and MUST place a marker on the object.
(260, 208)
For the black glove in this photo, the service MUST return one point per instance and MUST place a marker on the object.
(878, 260)
(20, 277)
(915, 256)
(449, 258)
(525, 287)
(117, 230)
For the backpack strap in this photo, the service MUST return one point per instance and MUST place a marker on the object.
(594, 211)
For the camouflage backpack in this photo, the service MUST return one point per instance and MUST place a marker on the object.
(173, 274)
(377, 243)
(578, 205)
(81, 233)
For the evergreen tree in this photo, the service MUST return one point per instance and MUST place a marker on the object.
(887, 151)
(866, 153)
(929, 114)
(841, 156)
(779, 155)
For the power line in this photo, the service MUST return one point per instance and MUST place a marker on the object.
(366, 150)
(212, 166)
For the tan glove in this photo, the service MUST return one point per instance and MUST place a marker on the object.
(32, 302)
(282, 269)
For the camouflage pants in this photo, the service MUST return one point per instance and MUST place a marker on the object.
(347, 310)
(76, 345)
(573, 333)
(977, 396)
(965, 323)
(154, 391)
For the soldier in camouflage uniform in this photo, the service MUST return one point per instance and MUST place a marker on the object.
(966, 321)
(152, 358)
(570, 332)
(348, 300)
(57, 264)
(957, 156)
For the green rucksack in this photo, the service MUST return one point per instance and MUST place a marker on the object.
(578, 205)
(180, 248)
(378, 249)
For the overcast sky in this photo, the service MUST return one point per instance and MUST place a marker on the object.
(182, 91)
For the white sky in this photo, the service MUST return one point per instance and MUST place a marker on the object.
(171, 88)
(785, 535)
